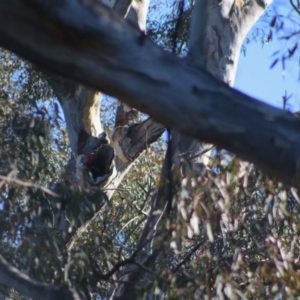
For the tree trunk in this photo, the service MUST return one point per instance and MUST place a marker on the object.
(217, 34)
(101, 159)
(218, 30)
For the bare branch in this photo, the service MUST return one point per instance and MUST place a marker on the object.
(13, 278)
(295, 7)
(28, 184)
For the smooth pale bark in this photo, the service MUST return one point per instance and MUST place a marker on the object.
(218, 30)
(81, 107)
(119, 60)
(133, 10)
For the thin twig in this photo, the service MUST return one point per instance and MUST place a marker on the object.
(196, 247)
(118, 265)
(295, 7)
(201, 153)
(29, 184)
(129, 234)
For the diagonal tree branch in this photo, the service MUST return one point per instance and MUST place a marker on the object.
(116, 58)
(13, 278)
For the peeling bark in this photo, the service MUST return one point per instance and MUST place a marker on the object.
(139, 136)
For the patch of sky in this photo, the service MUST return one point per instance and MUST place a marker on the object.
(256, 76)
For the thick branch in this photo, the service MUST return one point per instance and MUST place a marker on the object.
(139, 137)
(13, 278)
(98, 48)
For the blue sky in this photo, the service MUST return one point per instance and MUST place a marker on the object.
(254, 76)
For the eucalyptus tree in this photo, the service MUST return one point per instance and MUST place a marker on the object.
(85, 48)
